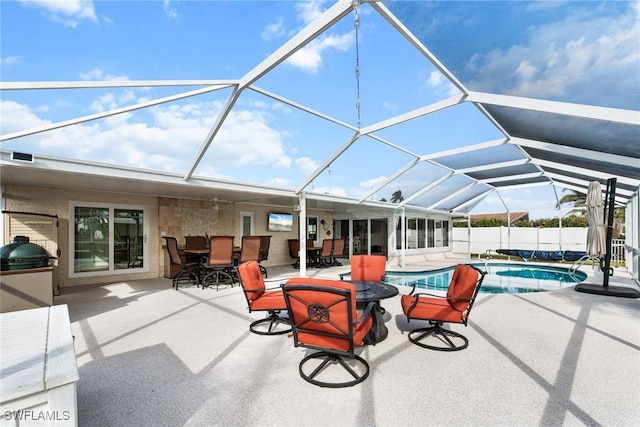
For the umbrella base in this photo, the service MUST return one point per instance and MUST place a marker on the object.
(612, 291)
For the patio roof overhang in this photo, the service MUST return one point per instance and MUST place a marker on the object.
(543, 142)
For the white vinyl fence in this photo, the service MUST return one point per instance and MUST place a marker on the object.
(476, 240)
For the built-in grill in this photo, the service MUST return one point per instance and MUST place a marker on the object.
(22, 255)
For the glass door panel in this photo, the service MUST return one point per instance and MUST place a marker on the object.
(91, 240)
(128, 239)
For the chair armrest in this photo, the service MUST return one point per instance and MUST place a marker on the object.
(441, 296)
(278, 286)
(367, 311)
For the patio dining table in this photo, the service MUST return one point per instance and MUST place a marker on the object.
(366, 292)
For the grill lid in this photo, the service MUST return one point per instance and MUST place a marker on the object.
(22, 254)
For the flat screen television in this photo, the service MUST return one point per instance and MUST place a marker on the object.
(279, 221)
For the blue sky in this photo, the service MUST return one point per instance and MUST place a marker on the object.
(583, 52)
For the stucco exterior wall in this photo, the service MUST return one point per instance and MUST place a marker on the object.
(53, 201)
(182, 217)
(165, 216)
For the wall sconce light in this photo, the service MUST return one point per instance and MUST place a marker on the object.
(325, 227)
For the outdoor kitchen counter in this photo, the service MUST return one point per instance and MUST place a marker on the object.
(38, 369)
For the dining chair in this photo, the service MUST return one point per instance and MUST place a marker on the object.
(194, 242)
(294, 251)
(454, 307)
(324, 318)
(326, 254)
(187, 273)
(265, 244)
(219, 262)
(249, 249)
(339, 246)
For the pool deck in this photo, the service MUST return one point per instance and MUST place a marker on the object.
(149, 355)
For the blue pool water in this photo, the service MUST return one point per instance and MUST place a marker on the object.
(500, 278)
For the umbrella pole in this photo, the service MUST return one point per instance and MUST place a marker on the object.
(607, 271)
(609, 203)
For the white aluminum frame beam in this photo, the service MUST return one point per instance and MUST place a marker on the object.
(426, 188)
(565, 150)
(491, 166)
(473, 200)
(109, 113)
(454, 194)
(461, 150)
(415, 42)
(587, 173)
(584, 183)
(629, 117)
(96, 84)
(619, 199)
(328, 162)
(410, 115)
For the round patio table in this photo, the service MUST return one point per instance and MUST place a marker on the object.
(374, 292)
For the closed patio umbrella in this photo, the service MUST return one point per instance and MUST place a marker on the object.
(596, 243)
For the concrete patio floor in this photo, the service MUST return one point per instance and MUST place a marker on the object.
(149, 355)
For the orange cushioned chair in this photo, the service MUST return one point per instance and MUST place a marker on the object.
(259, 298)
(438, 309)
(323, 315)
(369, 268)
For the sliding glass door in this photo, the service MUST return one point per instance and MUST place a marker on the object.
(107, 239)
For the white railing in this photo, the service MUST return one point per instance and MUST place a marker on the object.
(617, 250)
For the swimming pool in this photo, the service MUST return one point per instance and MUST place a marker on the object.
(501, 278)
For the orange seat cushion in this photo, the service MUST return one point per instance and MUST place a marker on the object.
(430, 308)
(269, 300)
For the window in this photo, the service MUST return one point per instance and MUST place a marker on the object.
(424, 233)
(431, 233)
(106, 240)
(312, 228)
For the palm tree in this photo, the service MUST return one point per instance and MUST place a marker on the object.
(577, 198)
(397, 197)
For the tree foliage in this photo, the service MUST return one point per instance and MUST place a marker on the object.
(570, 221)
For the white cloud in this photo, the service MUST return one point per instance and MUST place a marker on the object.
(308, 11)
(12, 60)
(97, 74)
(306, 164)
(372, 183)
(167, 142)
(17, 117)
(564, 59)
(441, 85)
(309, 58)
(169, 9)
(273, 30)
(68, 12)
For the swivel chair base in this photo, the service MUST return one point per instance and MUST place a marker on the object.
(452, 341)
(329, 358)
(273, 321)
